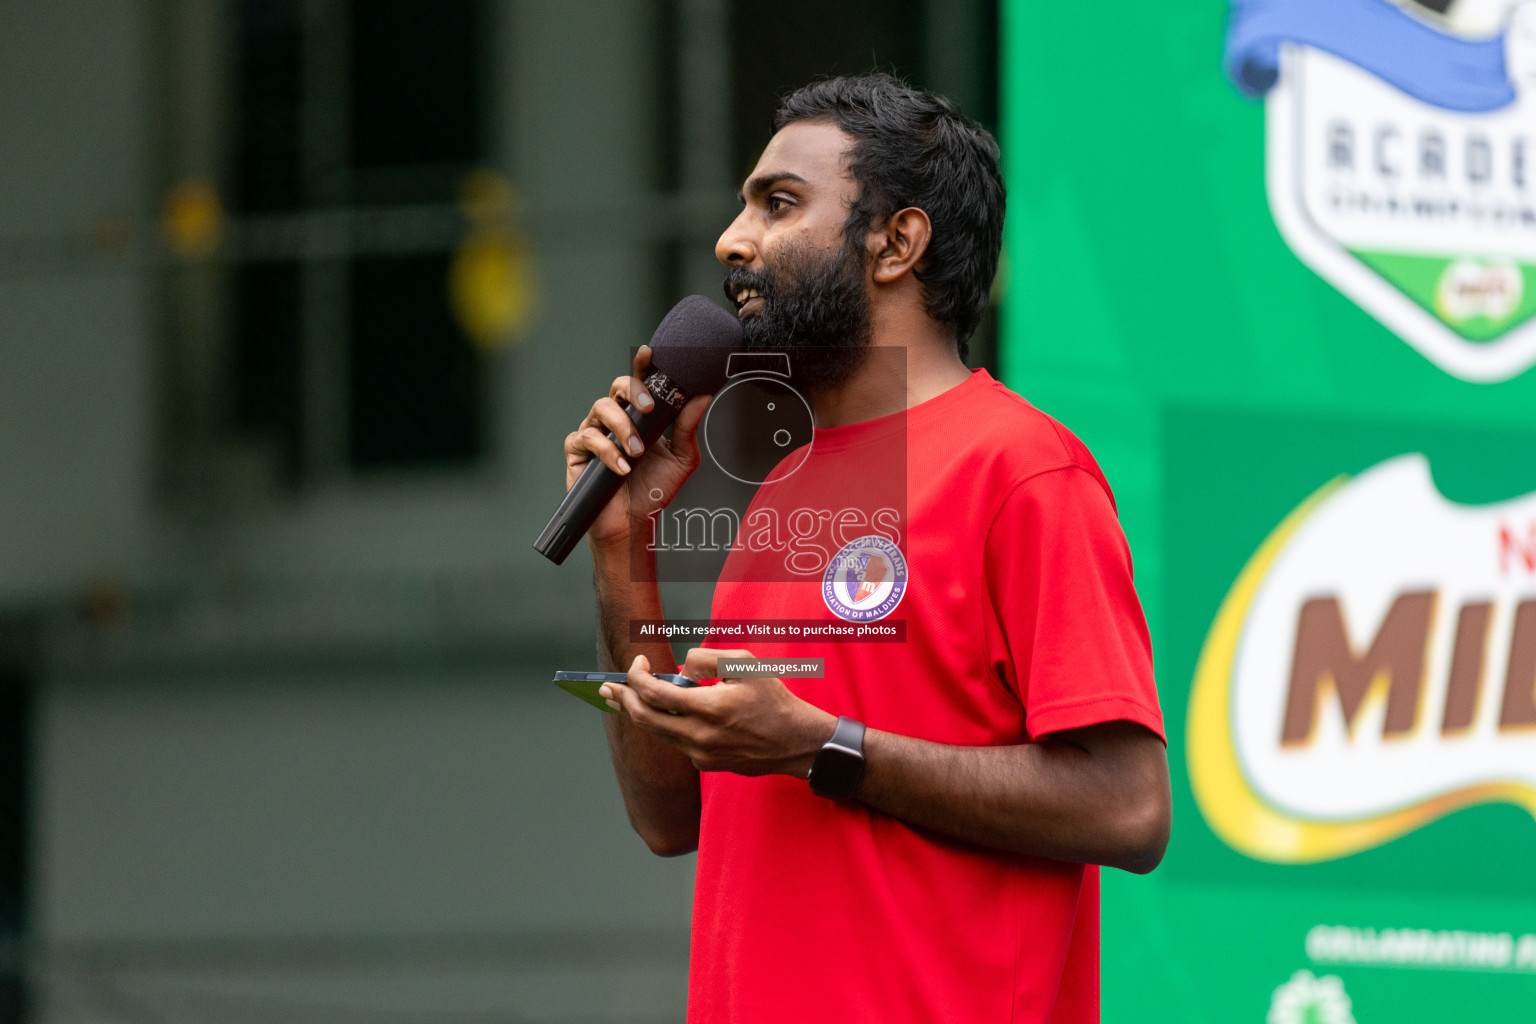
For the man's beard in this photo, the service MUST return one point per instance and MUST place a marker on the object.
(817, 308)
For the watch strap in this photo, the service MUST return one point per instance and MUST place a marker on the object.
(849, 735)
(839, 765)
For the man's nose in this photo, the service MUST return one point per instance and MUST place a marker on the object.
(736, 246)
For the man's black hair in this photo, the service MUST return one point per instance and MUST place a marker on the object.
(912, 148)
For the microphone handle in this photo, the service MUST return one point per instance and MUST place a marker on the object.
(597, 484)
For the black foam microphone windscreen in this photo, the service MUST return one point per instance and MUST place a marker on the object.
(689, 352)
(693, 343)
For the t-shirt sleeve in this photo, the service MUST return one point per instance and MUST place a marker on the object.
(1071, 639)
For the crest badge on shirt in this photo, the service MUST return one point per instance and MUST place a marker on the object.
(865, 580)
(1400, 162)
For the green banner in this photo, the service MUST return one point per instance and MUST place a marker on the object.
(1281, 290)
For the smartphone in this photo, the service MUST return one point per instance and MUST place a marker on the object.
(583, 685)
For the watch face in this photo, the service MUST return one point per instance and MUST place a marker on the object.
(757, 426)
(836, 772)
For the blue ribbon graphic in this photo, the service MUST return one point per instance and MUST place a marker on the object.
(1458, 74)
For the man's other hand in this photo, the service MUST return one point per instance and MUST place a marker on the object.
(751, 726)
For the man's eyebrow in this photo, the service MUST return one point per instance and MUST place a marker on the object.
(765, 183)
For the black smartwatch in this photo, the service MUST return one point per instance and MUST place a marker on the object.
(839, 764)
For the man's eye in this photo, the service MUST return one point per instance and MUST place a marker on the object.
(777, 203)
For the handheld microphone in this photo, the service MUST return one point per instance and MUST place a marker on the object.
(688, 357)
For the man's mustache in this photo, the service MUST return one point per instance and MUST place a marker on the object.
(739, 278)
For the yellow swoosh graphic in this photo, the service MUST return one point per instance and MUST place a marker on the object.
(1238, 815)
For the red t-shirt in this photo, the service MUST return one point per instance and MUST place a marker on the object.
(1009, 570)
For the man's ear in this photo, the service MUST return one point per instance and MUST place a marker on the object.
(901, 244)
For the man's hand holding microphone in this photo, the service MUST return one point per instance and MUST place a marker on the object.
(610, 436)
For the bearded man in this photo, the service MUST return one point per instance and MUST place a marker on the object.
(914, 835)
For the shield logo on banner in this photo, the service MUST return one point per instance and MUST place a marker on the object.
(1401, 162)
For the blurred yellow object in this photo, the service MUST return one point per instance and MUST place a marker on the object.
(492, 289)
(193, 219)
(492, 286)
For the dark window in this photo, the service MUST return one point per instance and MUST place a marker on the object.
(414, 377)
(849, 38)
(415, 83)
(347, 106)
(266, 362)
(268, 65)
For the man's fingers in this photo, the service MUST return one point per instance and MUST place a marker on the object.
(627, 701)
(653, 704)
(699, 663)
(631, 390)
(587, 442)
(662, 695)
(703, 662)
(642, 360)
(685, 430)
(608, 415)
